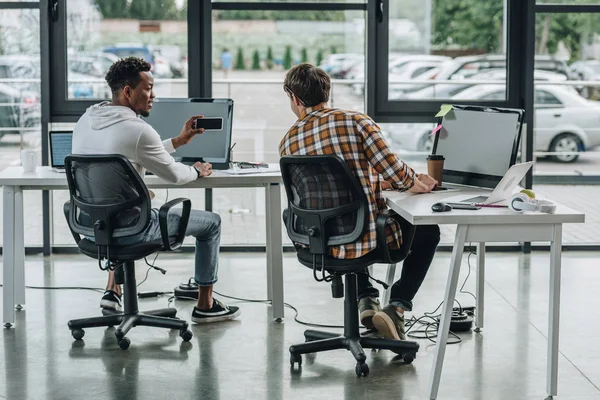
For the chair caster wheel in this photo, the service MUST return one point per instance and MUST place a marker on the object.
(295, 358)
(361, 369)
(124, 343)
(408, 358)
(77, 334)
(186, 335)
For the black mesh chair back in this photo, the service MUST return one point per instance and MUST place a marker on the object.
(327, 205)
(108, 197)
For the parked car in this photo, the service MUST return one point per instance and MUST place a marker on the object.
(18, 110)
(564, 121)
(587, 71)
(452, 88)
(401, 67)
(160, 65)
(338, 65)
(92, 63)
(465, 67)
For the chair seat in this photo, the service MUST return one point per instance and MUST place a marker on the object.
(337, 264)
(130, 252)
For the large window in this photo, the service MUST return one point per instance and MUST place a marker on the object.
(429, 52)
(20, 99)
(94, 34)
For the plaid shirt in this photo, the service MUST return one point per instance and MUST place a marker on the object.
(356, 138)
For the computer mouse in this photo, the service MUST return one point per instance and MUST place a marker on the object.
(440, 207)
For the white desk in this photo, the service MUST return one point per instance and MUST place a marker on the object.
(15, 181)
(489, 225)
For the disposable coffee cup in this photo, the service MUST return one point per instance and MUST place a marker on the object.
(29, 160)
(435, 167)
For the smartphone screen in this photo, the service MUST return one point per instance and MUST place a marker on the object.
(209, 124)
(464, 206)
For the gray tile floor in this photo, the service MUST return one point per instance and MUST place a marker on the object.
(249, 359)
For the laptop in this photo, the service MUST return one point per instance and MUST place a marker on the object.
(60, 148)
(503, 189)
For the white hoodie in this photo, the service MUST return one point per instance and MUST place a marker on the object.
(106, 129)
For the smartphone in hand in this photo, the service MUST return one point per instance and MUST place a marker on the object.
(209, 124)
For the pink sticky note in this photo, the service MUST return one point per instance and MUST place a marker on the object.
(437, 128)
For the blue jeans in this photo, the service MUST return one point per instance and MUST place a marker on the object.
(205, 226)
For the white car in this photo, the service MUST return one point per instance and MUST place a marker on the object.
(399, 69)
(565, 122)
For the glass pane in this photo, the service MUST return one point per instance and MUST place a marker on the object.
(252, 51)
(569, 2)
(440, 49)
(98, 35)
(567, 130)
(20, 107)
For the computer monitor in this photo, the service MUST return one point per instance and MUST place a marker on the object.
(168, 116)
(60, 147)
(479, 144)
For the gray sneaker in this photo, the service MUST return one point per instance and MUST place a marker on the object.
(367, 307)
(389, 324)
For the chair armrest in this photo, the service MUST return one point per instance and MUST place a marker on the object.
(407, 237)
(163, 223)
(67, 210)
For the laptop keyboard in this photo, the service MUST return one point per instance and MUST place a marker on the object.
(478, 199)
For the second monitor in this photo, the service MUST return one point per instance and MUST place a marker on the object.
(168, 116)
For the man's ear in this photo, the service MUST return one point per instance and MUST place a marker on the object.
(127, 91)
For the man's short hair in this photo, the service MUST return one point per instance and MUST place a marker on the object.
(126, 72)
(310, 85)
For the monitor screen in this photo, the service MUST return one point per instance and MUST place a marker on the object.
(60, 147)
(479, 144)
(168, 116)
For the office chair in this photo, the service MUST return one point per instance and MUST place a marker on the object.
(109, 201)
(327, 206)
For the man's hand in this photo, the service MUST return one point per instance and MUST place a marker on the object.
(204, 168)
(385, 185)
(423, 184)
(188, 132)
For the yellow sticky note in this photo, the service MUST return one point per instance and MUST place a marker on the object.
(444, 109)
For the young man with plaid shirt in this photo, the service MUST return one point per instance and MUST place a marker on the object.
(357, 139)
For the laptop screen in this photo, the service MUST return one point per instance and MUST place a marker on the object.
(60, 147)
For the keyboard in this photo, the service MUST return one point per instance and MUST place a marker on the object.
(478, 199)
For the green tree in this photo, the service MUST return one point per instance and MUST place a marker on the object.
(472, 24)
(269, 57)
(113, 8)
(239, 59)
(319, 57)
(304, 55)
(287, 58)
(153, 9)
(255, 61)
(333, 50)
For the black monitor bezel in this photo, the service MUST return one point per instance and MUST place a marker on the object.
(484, 180)
(51, 148)
(216, 165)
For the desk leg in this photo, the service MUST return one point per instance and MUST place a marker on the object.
(274, 248)
(442, 338)
(19, 243)
(554, 310)
(8, 292)
(480, 286)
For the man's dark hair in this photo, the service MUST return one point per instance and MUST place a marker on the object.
(308, 83)
(126, 71)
